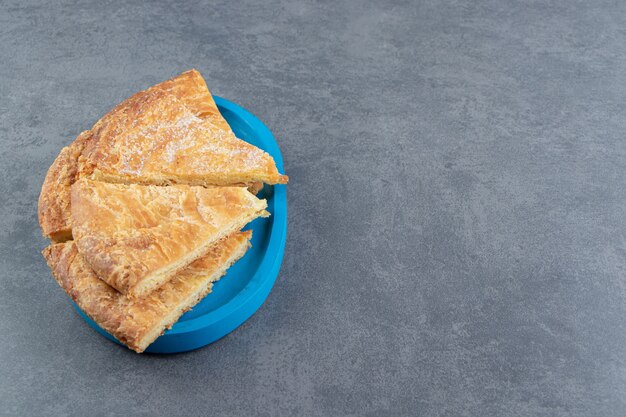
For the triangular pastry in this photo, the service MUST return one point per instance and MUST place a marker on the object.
(137, 323)
(158, 137)
(138, 237)
(191, 88)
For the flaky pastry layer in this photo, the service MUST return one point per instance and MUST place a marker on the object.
(137, 237)
(137, 323)
(157, 137)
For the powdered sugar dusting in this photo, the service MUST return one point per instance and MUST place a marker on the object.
(171, 140)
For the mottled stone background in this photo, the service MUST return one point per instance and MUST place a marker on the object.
(457, 238)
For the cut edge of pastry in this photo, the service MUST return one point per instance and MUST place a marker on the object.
(193, 299)
(243, 180)
(158, 278)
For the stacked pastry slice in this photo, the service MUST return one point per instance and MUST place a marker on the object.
(138, 322)
(145, 209)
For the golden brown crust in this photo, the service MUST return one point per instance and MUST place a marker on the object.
(54, 200)
(192, 89)
(137, 323)
(157, 137)
(138, 237)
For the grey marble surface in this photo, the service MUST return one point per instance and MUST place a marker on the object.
(457, 239)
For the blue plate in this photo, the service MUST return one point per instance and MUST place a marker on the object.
(247, 284)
